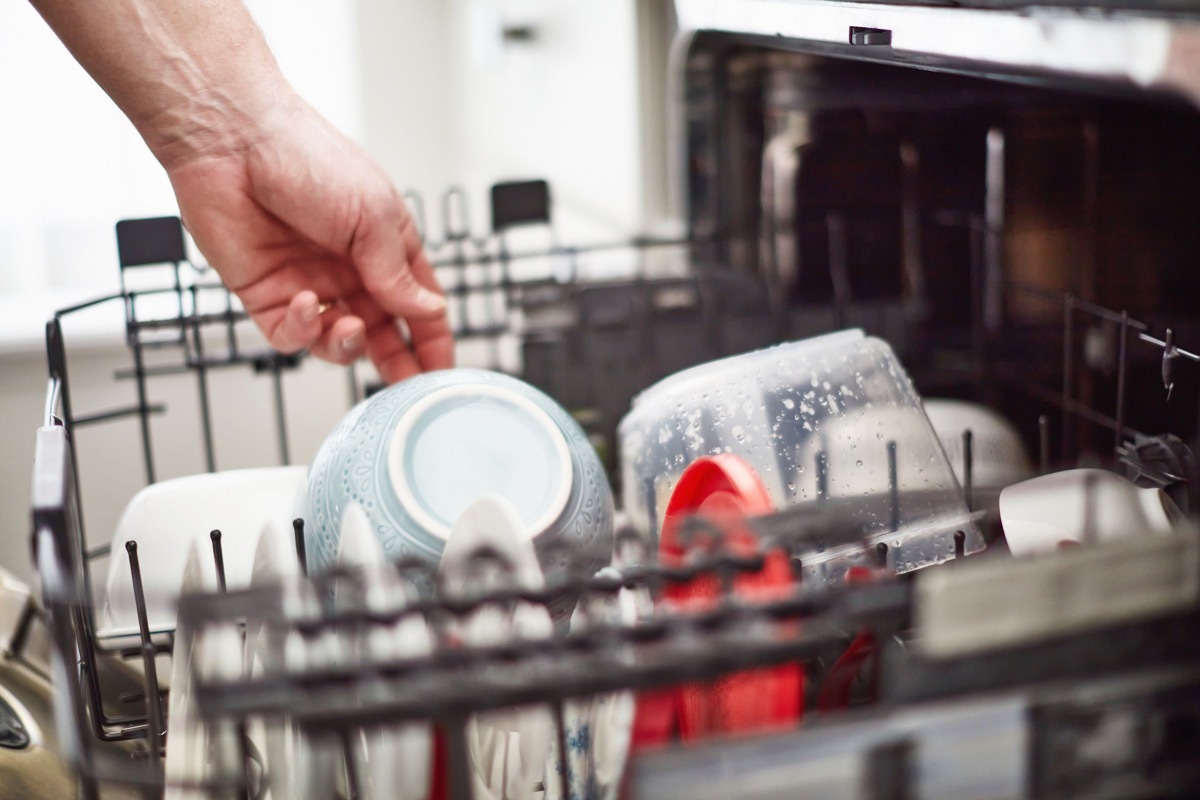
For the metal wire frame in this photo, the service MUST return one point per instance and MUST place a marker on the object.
(448, 686)
(452, 683)
(67, 579)
(60, 541)
(1071, 409)
(58, 527)
(731, 636)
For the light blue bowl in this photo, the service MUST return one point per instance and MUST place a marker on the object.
(416, 454)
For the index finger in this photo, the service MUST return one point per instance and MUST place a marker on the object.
(387, 253)
(432, 339)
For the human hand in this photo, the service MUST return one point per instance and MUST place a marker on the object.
(297, 219)
(309, 232)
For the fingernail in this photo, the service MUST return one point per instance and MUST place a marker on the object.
(430, 301)
(310, 310)
(354, 342)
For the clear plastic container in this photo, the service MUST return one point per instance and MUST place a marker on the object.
(832, 419)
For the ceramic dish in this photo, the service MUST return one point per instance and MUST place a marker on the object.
(164, 517)
(998, 456)
(295, 767)
(507, 748)
(597, 730)
(417, 454)
(198, 751)
(394, 761)
(1076, 506)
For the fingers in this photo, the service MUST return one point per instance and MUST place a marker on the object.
(382, 256)
(389, 349)
(301, 325)
(356, 325)
(432, 339)
(396, 359)
(378, 276)
(391, 354)
(343, 342)
(397, 275)
(328, 331)
(433, 343)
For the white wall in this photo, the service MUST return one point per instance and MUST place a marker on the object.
(404, 69)
(450, 102)
(563, 106)
(71, 164)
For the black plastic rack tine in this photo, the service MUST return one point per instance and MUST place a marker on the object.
(248, 760)
(457, 761)
(353, 766)
(298, 538)
(968, 468)
(1122, 368)
(1068, 375)
(893, 487)
(560, 735)
(153, 697)
(1043, 444)
(218, 559)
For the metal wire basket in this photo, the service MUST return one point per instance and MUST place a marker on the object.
(657, 325)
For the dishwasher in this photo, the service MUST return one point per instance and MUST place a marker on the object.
(999, 191)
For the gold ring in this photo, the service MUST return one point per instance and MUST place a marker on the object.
(323, 307)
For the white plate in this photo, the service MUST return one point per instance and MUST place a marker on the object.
(295, 768)
(597, 729)
(507, 748)
(395, 761)
(197, 751)
(164, 517)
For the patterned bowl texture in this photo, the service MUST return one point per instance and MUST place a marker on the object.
(417, 453)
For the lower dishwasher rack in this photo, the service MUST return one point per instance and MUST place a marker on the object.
(1093, 692)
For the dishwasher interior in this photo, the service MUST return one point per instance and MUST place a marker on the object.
(1027, 244)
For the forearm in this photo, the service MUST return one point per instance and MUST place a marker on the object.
(194, 76)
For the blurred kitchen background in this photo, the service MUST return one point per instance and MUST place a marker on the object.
(452, 92)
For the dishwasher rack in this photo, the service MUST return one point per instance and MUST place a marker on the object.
(662, 650)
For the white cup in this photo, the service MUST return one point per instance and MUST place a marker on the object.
(1081, 506)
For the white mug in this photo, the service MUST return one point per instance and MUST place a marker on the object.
(1081, 506)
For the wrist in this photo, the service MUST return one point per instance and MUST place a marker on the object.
(196, 78)
(215, 119)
